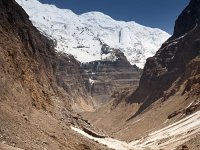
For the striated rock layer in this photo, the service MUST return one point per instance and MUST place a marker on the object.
(107, 76)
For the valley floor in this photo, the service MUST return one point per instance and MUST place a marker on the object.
(167, 138)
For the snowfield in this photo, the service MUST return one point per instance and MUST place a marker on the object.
(83, 35)
(167, 138)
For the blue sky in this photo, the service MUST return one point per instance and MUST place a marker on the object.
(153, 13)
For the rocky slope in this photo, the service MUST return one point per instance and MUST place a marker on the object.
(35, 95)
(168, 91)
(175, 67)
(84, 35)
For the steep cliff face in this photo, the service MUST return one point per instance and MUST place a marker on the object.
(35, 104)
(110, 74)
(175, 67)
(27, 59)
(187, 20)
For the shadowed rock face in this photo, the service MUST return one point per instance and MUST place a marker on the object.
(176, 62)
(75, 81)
(107, 76)
(187, 19)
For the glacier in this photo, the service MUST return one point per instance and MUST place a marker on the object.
(83, 35)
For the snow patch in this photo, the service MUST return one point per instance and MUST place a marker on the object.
(91, 81)
(109, 142)
(166, 138)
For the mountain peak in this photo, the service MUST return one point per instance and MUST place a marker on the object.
(95, 14)
(190, 17)
(83, 35)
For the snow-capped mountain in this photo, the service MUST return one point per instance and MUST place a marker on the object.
(83, 35)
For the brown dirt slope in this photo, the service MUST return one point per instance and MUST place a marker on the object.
(35, 111)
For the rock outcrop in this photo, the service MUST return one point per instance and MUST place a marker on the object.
(111, 74)
(176, 65)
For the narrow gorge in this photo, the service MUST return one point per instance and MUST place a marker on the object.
(74, 82)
